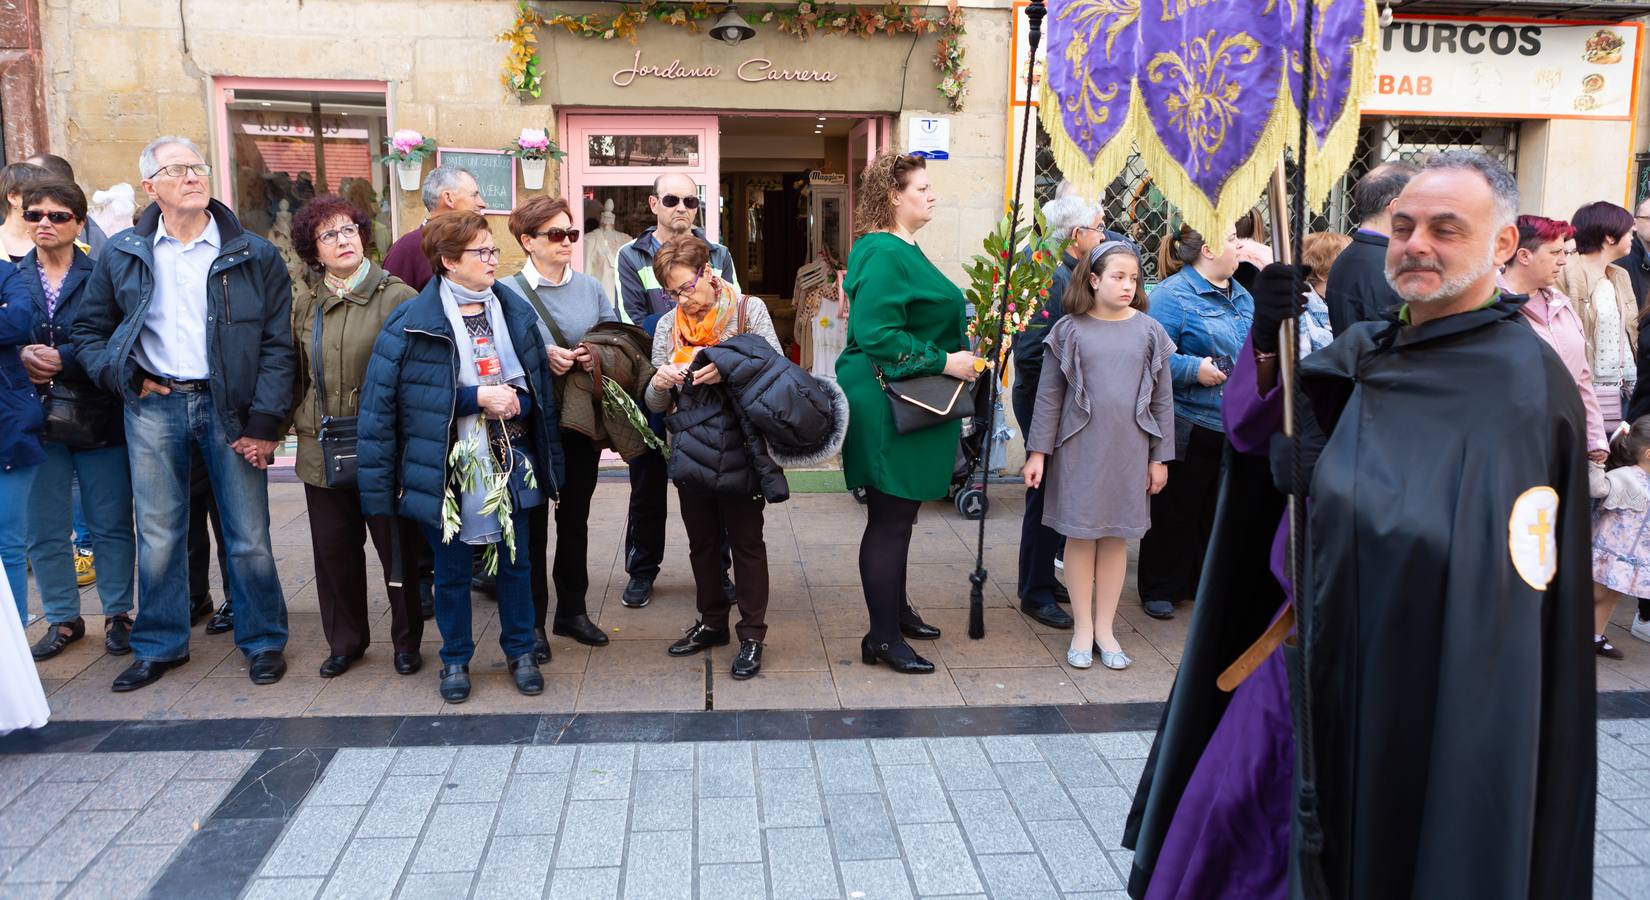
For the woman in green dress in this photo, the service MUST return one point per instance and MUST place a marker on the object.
(906, 319)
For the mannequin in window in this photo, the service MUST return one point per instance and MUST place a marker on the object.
(601, 251)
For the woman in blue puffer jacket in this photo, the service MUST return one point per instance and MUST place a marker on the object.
(463, 363)
(20, 452)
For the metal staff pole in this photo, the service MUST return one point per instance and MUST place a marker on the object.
(976, 595)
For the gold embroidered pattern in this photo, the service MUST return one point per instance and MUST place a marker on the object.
(1205, 100)
(1114, 16)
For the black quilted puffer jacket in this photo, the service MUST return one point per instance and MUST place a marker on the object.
(737, 437)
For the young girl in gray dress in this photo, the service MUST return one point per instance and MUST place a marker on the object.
(1103, 429)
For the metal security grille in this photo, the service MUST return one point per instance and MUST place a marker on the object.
(1134, 205)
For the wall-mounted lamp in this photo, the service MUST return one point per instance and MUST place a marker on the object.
(732, 28)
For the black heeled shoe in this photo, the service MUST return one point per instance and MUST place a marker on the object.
(919, 631)
(899, 657)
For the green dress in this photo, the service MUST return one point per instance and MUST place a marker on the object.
(904, 316)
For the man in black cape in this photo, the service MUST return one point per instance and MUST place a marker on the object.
(1452, 703)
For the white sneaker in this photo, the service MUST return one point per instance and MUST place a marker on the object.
(1641, 628)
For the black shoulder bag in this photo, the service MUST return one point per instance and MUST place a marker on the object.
(925, 401)
(80, 416)
(335, 434)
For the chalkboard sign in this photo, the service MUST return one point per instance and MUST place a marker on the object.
(1641, 180)
(494, 171)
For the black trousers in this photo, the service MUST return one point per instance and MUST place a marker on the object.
(1183, 513)
(338, 532)
(1038, 542)
(570, 571)
(715, 522)
(644, 533)
(203, 509)
(884, 550)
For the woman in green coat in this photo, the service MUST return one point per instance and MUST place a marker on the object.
(350, 297)
(906, 319)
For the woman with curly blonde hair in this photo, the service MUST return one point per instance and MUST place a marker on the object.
(905, 320)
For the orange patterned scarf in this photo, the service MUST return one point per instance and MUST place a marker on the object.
(690, 334)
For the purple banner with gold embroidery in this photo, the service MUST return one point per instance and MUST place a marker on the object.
(1207, 92)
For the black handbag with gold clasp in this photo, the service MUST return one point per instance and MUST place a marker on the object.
(925, 401)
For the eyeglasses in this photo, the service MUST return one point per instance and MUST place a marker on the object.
(332, 237)
(678, 293)
(33, 216)
(485, 254)
(177, 170)
(669, 201)
(557, 235)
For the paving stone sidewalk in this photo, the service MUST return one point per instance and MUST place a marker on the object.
(1011, 816)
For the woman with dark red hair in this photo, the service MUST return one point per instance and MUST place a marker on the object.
(1533, 271)
(1603, 296)
(337, 313)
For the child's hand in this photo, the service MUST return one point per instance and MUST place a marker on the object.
(1157, 475)
(1033, 471)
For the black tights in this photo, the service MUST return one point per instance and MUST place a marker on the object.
(883, 552)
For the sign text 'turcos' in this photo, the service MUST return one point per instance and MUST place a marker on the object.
(756, 70)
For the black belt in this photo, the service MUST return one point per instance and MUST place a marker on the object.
(186, 385)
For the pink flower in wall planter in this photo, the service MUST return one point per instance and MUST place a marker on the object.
(532, 148)
(406, 149)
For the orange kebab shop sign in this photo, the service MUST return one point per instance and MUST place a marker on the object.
(1507, 68)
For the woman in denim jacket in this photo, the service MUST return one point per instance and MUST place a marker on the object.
(1207, 314)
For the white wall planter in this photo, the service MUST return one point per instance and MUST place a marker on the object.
(408, 173)
(532, 173)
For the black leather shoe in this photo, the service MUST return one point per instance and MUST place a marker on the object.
(899, 657)
(199, 608)
(485, 585)
(541, 646)
(699, 638)
(728, 589)
(223, 620)
(638, 592)
(580, 629)
(1158, 609)
(337, 665)
(1061, 595)
(455, 683)
(749, 660)
(408, 663)
(117, 635)
(56, 639)
(426, 600)
(144, 672)
(1049, 614)
(266, 666)
(919, 631)
(528, 678)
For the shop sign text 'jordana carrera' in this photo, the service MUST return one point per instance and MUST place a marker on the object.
(756, 70)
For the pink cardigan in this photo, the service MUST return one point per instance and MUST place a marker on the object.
(1553, 316)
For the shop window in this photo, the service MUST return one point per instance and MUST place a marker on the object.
(286, 147)
(641, 151)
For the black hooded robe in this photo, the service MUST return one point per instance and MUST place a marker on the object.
(1452, 668)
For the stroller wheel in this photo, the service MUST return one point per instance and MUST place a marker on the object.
(971, 503)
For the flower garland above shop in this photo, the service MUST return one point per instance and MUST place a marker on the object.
(524, 73)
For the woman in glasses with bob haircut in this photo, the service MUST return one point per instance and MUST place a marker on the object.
(459, 403)
(337, 312)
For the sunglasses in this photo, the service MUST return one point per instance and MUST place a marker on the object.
(557, 235)
(678, 293)
(670, 200)
(34, 216)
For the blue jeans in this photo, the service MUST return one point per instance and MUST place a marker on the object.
(107, 500)
(452, 596)
(159, 432)
(14, 498)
